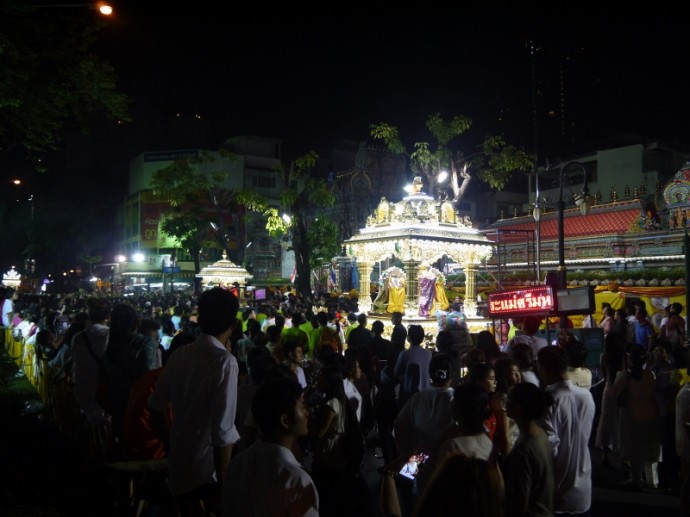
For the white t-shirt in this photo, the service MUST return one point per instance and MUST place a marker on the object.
(7, 310)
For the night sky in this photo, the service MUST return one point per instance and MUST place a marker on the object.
(311, 79)
(314, 78)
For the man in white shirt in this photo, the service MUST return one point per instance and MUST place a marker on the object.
(199, 382)
(267, 480)
(7, 308)
(568, 424)
(530, 326)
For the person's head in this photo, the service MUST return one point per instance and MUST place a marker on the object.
(180, 340)
(483, 375)
(217, 310)
(639, 304)
(444, 341)
(362, 319)
(604, 306)
(641, 313)
(330, 382)
(248, 314)
(441, 369)
(659, 354)
(552, 364)
(273, 333)
(278, 409)
(473, 356)
(253, 327)
(280, 321)
(292, 348)
(576, 352)
(530, 325)
(396, 317)
(415, 335)
(353, 370)
(124, 321)
(352, 318)
(322, 319)
(377, 327)
(297, 319)
(620, 315)
(676, 308)
(471, 407)
(507, 374)
(523, 355)
(456, 307)
(149, 327)
(527, 402)
(487, 342)
(98, 309)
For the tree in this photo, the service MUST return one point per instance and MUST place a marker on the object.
(201, 200)
(314, 240)
(50, 80)
(495, 161)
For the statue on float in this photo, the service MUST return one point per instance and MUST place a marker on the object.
(432, 292)
(391, 296)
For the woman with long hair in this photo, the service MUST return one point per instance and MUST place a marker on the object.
(639, 427)
(335, 464)
(128, 356)
(611, 361)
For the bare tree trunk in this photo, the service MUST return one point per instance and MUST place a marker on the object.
(459, 189)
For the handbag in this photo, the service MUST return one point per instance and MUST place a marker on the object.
(623, 398)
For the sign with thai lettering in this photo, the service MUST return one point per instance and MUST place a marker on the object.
(524, 301)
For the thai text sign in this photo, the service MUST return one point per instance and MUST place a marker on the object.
(521, 302)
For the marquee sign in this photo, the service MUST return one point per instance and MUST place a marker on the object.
(525, 301)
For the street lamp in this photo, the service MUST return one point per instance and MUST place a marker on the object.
(582, 201)
(102, 7)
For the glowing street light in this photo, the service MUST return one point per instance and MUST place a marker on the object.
(102, 7)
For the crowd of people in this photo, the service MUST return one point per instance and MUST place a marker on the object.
(267, 409)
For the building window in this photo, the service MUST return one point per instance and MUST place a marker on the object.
(264, 182)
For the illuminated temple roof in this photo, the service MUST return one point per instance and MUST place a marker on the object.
(421, 229)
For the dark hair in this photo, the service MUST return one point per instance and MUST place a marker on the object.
(576, 352)
(322, 318)
(396, 317)
(444, 340)
(290, 343)
(351, 360)
(478, 372)
(273, 333)
(503, 366)
(377, 327)
(553, 359)
(352, 317)
(148, 325)
(533, 401)
(471, 407)
(415, 334)
(530, 325)
(124, 322)
(487, 342)
(333, 379)
(362, 319)
(523, 355)
(98, 309)
(273, 399)
(218, 310)
(440, 368)
(180, 340)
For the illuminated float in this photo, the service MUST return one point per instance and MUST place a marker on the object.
(418, 231)
(225, 274)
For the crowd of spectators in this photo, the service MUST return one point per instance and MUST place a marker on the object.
(219, 390)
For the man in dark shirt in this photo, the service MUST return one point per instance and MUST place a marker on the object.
(360, 335)
(399, 335)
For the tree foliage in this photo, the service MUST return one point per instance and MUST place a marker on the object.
(50, 79)
(314, 239)
(494, 161)
(203, 204)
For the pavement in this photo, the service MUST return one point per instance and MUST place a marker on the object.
(43, 474)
